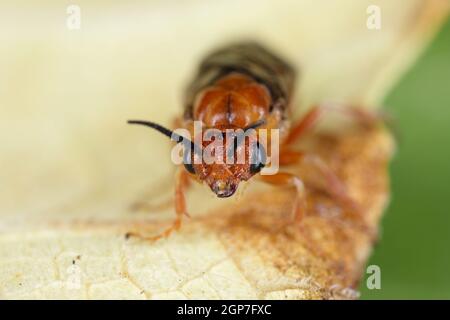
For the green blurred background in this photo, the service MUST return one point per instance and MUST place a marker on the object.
(414, 248)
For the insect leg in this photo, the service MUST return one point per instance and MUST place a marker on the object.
(305, 123)
(289, 156)
(150, 205)
(332, 182)
(288, 179)
(180, 208)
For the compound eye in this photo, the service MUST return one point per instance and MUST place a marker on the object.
(258, 160)
(189, 167)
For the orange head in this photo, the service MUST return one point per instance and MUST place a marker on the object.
(228, 160)
(222, 160)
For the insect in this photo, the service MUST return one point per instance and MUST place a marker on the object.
(242, 86)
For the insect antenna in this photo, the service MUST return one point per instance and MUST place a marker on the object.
(188, 144)
(255, 125)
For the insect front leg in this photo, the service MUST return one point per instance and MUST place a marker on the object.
(151, 206)
(182, 181)
(288, 179)
(148, 204)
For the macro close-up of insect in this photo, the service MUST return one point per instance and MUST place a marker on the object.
(224, 150)
(245, 87)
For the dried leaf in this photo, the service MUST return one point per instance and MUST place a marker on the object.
(71, 167)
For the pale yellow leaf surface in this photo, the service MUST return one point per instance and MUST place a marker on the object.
(71, 167)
